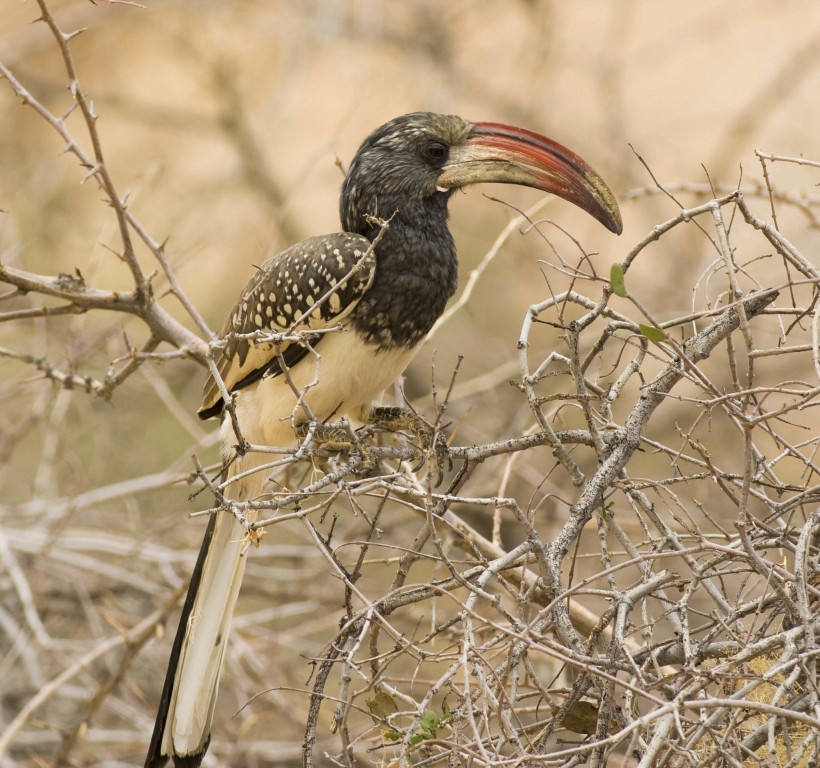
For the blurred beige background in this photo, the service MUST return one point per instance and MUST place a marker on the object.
(225, 123)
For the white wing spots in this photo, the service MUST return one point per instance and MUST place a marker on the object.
(309, 284)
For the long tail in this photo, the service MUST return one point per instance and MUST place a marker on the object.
(183, 727)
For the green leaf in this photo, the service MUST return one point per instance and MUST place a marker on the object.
(581, 717)
(652, 333)
(430, 721)
(382, 705)
(616, 280)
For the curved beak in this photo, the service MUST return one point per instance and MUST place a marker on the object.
(500, 153)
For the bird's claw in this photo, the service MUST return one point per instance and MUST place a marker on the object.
(429, 440)
(338, 437)
(439, 453)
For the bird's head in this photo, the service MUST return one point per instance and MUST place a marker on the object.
(423, 157)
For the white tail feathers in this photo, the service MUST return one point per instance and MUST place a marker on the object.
(191, 708)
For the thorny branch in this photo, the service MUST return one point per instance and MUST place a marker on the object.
(647, 592)
(72, 289)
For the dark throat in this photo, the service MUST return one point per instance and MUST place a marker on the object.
(416, 274)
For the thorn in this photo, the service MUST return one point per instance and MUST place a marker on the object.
(68, 112)
(127, 2)
(95, 169)
(69, 36)
(112, 251)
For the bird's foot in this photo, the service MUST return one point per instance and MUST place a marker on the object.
(338, 437)
(429, 439)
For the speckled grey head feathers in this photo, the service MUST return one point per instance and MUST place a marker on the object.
(398, 163)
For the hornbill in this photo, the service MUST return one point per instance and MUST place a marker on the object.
(386, 298)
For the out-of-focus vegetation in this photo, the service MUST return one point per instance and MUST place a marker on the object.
(227, 126)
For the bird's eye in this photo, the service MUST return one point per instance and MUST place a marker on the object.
(434, 152)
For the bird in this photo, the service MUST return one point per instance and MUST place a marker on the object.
(369, 295)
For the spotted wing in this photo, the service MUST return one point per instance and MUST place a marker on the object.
(313, 284)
